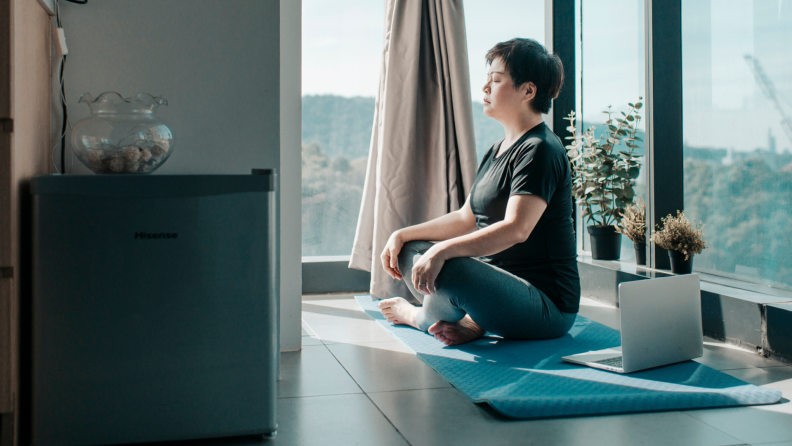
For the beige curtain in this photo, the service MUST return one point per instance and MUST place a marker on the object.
(422, 161)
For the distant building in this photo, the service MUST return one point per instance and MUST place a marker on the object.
(729, 158)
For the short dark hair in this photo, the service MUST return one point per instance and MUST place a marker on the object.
(528, 61)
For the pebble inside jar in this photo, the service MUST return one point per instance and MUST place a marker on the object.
(122, 135)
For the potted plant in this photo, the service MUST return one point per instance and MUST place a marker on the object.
(603, 177)
(633, 225)
(682, 240)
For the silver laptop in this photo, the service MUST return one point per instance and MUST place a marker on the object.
(660, 325)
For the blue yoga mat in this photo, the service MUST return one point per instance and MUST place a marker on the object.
(528, 379)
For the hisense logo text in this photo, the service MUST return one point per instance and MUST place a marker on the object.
(156, 235)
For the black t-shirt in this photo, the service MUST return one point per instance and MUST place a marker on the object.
(536, 164)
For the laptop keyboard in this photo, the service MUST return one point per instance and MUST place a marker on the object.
(611, 362)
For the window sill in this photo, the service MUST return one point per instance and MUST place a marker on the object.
(749, 319)
(331, 274)
(323, 259)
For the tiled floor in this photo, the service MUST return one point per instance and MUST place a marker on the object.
(354, 384)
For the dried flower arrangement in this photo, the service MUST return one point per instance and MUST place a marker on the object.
(678, 234)
(633, 223)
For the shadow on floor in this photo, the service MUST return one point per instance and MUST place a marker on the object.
(332, 311)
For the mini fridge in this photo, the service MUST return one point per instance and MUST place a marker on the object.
(155, 308)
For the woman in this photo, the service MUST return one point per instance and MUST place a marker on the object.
(505, 262)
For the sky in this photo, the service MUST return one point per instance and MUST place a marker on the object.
(487, 25)
(724, 107)
(342, 41)
(612, 58)
(342, 46)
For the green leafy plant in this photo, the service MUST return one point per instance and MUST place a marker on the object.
(604, 177)
(633, 223)
(679, 234)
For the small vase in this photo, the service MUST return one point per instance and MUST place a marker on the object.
(640, 253)
(605, 242)
(678, 263)
(122, 135)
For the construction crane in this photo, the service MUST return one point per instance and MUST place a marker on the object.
(769, 90)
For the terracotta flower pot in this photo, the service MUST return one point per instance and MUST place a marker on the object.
(605, 242)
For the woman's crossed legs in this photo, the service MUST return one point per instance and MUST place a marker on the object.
(474, 297)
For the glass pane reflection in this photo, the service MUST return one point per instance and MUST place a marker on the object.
(612, 72)
(737, 92)
(337, 116)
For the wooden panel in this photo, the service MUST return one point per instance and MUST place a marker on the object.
(6, 256)
(5, 58)
(25, 86)
(6, 345)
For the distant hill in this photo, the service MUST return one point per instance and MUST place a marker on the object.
(339, 125)
(342, 126)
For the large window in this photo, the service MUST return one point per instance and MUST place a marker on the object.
(515, 18)
(737, 92)
(611, 72)
(342, 50)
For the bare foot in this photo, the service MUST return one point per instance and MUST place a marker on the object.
(399, 311)
(453, 333)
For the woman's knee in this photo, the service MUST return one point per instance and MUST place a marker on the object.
(416, 246)
(410, 249)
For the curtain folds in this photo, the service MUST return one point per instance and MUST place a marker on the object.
(422, 160)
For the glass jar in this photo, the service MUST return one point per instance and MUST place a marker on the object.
(122, 135)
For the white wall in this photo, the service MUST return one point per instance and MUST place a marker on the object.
(233, 102)
(291, 169)
(215, 61)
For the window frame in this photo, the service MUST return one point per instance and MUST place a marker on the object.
(664, 156)
(663, 168)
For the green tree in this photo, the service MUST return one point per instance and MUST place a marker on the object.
(332, 190)
(745, 208)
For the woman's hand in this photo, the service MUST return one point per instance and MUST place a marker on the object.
(390, 255)
(426, 270)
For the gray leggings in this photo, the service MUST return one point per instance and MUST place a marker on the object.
(496, 300)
